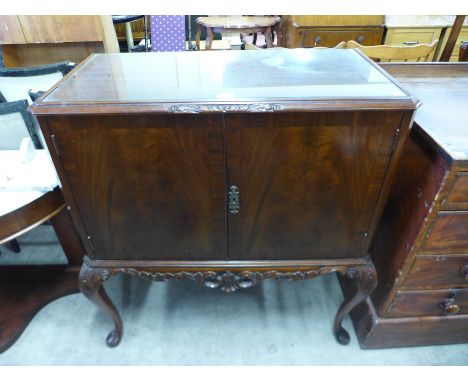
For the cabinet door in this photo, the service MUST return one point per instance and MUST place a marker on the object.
(307, 183)
(147, 187)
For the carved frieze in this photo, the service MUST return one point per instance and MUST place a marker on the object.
(225, 108)
(230, 281)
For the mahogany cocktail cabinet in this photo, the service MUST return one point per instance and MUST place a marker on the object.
(226, 167)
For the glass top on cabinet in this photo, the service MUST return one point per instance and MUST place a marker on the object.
(225, 76)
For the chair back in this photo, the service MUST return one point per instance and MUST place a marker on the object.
(419, 52)
(16, 82)
(16, 123)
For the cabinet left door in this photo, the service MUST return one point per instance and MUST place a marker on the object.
(146, 187)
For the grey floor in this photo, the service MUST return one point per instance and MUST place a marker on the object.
(182, 323)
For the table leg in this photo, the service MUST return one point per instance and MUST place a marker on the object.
(268, 38)
(197, 37)
(90, 281)
(146, 33)
(129, 36)
(209, 38)
(365, 277)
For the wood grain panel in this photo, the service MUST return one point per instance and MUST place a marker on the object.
(448, 233)
(427, 303)
(419, 177)
(336, 20)
(11, 31)
(432, 272)
(147, 187)
(80, 28)
(459, 191)
(42, 54)
(308, 182)
(41, 29)
(375, 332)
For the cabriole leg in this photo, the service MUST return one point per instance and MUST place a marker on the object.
(366, 280)
(90, 281)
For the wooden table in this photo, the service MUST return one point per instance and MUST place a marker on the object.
(421, 244)
(24, 289)
(186, 166)
(237, 24)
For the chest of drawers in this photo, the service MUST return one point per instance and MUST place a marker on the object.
(226, 168)
(306, 31)
(421, 244)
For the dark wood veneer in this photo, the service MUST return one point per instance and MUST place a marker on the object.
(459, 190)
(437, 271)
(448, 233)
(226, 192)
(428, 302)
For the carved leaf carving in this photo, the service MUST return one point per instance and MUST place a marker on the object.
(230, 281)
(225, 108)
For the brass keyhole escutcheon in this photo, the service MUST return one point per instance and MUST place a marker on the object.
(234, 202)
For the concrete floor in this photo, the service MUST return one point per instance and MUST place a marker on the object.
(182, 323)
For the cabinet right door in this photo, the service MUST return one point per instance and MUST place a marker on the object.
(306, 184)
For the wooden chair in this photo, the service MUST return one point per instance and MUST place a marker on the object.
(16, 123)
(420, 52)
(16, 82)
(30, 196)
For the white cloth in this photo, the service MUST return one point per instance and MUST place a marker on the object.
(21, 183)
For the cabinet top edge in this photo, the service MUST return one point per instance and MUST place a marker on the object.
(403, 103)
(288, 76)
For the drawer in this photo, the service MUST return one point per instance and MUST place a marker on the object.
(448, 233)
(459, 191)
(445, 302)
(324, 38)
(412, 36)
(438, 272)
(416, 36)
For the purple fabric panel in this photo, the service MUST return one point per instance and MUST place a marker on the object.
(167, 33)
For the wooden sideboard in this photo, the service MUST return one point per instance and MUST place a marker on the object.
(420, 248)
(187, 166)
(301, 31)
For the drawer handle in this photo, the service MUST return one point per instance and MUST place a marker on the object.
(360, 39)
(234, 203)
(411, 43)
(317, 40)
(449, 306)
(464, 272)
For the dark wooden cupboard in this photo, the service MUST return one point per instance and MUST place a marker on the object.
(188, 166)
